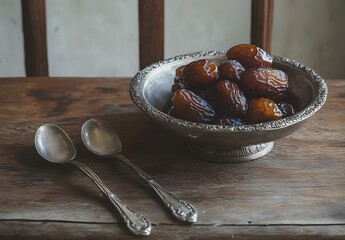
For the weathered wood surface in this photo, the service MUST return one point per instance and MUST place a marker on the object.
(35, 37)
(295, 192)
(261, 23)
(151, 31)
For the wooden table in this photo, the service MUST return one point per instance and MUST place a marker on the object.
(295, 192)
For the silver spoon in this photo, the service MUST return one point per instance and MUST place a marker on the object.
(54, 145)
(100, 139)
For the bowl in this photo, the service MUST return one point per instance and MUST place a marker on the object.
(150, 90)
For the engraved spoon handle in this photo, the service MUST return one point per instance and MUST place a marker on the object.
(135, 222)
(180, 209)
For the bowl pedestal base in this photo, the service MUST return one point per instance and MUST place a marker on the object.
(231, 154)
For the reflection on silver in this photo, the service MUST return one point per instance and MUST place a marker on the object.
(102, 140)
(54, 145)
(150, 91)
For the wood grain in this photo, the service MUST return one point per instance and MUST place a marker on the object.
(35, 37)
(295, 192)
(151, 31)
(261, 23)
(60, 230)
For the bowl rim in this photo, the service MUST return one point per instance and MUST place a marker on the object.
(137, 96)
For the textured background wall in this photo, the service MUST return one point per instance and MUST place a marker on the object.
(99, 38)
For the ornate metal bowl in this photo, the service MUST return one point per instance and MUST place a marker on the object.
(150, 90)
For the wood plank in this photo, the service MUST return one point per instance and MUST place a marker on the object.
(151, 34)
(298, 189)
(151, 31)
(61, 230)
(261, 23)
(35, 37)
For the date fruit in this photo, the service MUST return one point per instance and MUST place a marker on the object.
(286, 109)
(179, 73)
(262, 110)
(264, 82)
(179, 81)
(230, 70)
(176, 86)
(230, 99)
(189, 106)
(244, 89)
(280, 97)
(228, 121)
(250, 56)
(201, 73)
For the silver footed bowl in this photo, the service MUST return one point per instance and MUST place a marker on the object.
(150, 90)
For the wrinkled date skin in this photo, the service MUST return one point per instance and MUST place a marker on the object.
(189, 106)
(179, 81)
(230, 99)
(286, 108)
(228, 121)
(262, 110)
(244, 89)
(264, 82)
(280, 97)
(201, 73)
(209, 95)
(179, 73)
(250, 56)
(176, 86)
(230, 70)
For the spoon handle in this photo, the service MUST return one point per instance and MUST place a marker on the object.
(180, 209)
(136, 222)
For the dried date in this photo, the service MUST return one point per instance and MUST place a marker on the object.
(250, 56)
(263, 82)
(262, 110)
(286, 108)
(228, 121)
(201, 73)
(176, 86)
(191, 107)
(230, 70)
(179, 73)
(230, 99)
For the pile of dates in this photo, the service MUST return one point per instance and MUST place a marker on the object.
(245, 89)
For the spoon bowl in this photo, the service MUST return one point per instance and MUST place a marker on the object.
(98, 137)
(102, 140)
(54, 145)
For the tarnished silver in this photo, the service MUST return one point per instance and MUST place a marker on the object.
(54, 145)
(150, 90)
(100, 139)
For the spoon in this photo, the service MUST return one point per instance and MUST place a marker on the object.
(100, 139)
(54, 145)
